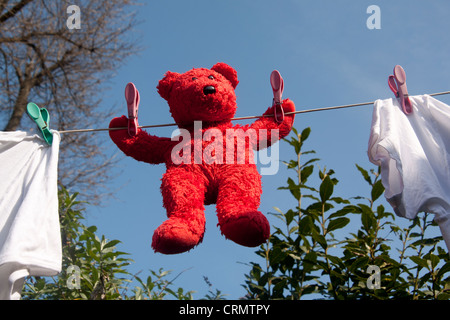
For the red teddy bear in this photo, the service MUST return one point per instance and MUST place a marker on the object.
(203, 102)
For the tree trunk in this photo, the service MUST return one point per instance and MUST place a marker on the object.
(19, 106)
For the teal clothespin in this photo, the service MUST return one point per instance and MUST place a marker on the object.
(42, 118)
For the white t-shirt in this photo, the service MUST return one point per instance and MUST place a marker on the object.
(414, 154)
(30, 237)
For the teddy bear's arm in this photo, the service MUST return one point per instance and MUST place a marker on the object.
(143, 146)
(269, 124)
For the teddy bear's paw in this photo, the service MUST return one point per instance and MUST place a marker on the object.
(119, 135)
(176, 236)
(288, 105)
(248, 229)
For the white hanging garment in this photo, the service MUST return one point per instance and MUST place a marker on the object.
(414, 154)
(30, 237)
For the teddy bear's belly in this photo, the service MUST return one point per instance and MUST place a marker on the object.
(214, 176)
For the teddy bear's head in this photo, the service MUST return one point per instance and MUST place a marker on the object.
(200, 94)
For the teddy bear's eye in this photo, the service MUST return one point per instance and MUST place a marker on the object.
(211, 77)
(194, 78)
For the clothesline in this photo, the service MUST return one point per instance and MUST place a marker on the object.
(246, 117)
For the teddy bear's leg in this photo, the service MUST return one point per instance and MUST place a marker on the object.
(237, 206)
(183, 194)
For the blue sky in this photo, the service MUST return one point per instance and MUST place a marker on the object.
(326, 55)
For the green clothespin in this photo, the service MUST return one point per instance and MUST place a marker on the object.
(42, 118)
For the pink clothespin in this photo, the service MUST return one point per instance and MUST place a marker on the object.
(132, 98)
(277, 83)
(397, 83)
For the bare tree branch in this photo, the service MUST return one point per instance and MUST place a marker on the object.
(13, 11)
(42, 61)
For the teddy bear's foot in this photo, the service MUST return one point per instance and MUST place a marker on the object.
(248, 229)
(175, 236)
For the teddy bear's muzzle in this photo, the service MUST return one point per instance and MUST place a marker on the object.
(209, 90)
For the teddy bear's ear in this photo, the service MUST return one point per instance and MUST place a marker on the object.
(166, 83)
(228, 72)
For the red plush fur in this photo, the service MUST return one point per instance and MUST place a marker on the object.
(235, 188)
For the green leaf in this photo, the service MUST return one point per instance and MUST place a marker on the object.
(290, 214)
(419, 261)
(434, 259)
(305, 134)
(326, 189)
(443, 296)
(111, 243)
(319, 239)
(365, 174)
(92, 229)
(164, 273)
(377, 190)
(337, 223)
(345, 210)
(339, 200)
(291, 164)
(296, 144)
(359, 264)
(294, 188)
(293, 229)
(310, 161)
(336, 260)
(445, 268)
(305, 225)
(381, 213)
(306, 172)
(294, 131)
(309, 261)
(367, 217)
(276, 255)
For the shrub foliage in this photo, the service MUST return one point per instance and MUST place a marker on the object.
(328, 247)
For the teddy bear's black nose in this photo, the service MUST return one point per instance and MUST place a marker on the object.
(209, 90)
